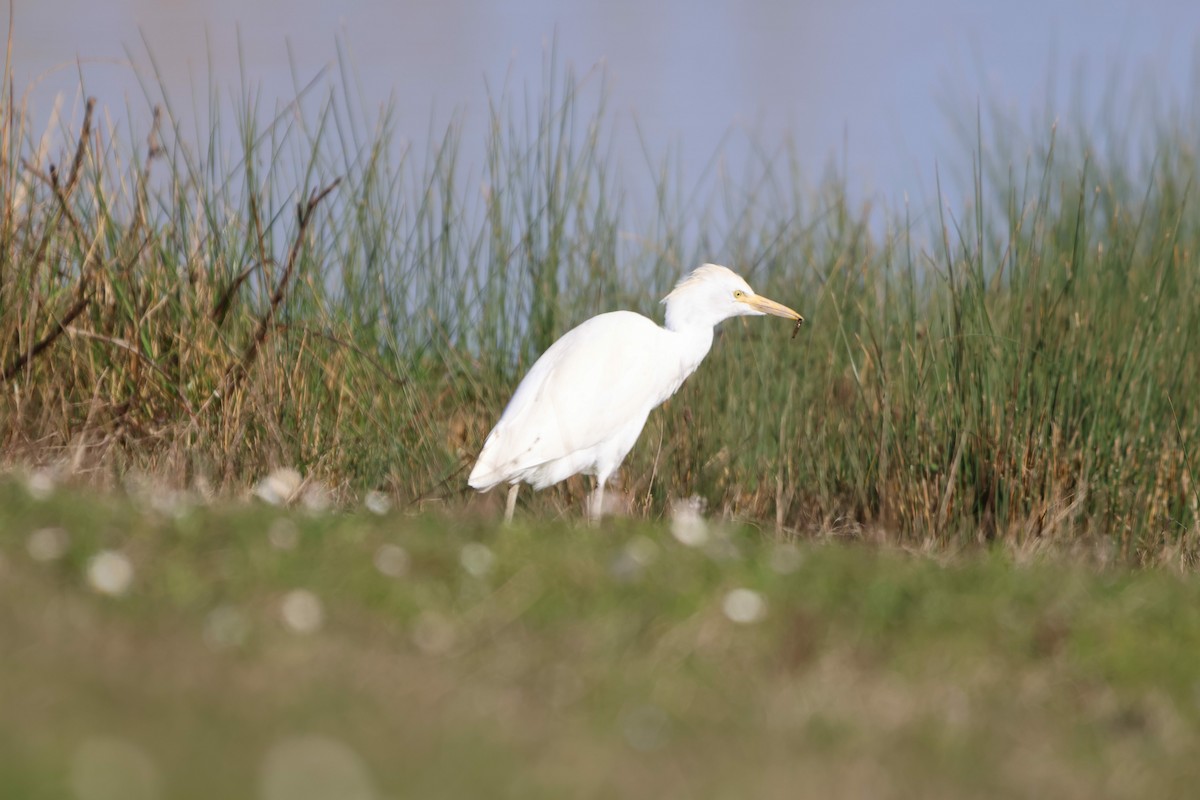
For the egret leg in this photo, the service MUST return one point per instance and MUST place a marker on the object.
(511, 505)
(596, 506)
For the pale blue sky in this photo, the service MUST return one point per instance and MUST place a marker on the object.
(872, 82)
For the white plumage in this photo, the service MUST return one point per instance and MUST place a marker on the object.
(584, 402)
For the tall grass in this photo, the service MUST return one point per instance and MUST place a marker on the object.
(304, 291)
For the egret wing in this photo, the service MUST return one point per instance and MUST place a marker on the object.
(583, 390)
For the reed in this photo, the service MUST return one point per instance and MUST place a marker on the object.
(302, 291)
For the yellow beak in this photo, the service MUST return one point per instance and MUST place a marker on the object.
(766, 306)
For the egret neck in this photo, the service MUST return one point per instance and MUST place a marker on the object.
(691, 340)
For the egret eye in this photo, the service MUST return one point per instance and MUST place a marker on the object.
(738, 294)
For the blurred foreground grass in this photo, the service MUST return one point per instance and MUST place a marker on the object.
(254, 652)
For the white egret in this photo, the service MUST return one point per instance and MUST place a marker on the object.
(584, 402)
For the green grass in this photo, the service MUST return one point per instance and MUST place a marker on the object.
(581, 663)
(1015, 367)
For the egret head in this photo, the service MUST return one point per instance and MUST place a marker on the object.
(714, 293)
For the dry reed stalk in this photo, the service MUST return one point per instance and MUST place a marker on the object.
(237, 371)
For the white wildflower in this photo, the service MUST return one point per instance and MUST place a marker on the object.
(477, 559)
(687, 521)
(377, 503)
(110, 572)
(391, 560)
(302, 611)
(744, 606)
(280, 487)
